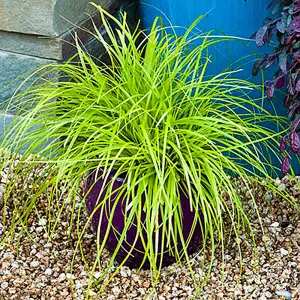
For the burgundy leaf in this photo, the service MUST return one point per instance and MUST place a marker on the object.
(294, 142)
(270, 92)
(255, 68)
(267, 37)
(280, 82)
(287, 101)
(264, 59)
(289, 39)
(260, 35)
(297, 88)
(295, 124)
(290, 87)
(285, 165)
(266, 83)
(296, 24)
(294, 109)
(269, 61)
(280, 37)
(282, 144)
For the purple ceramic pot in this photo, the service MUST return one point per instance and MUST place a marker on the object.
(94, 186)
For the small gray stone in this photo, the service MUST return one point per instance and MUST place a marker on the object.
(284, 252)
(285, 294)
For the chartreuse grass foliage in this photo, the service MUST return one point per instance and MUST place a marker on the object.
(154, 115)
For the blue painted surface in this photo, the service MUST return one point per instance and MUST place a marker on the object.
(237, 18)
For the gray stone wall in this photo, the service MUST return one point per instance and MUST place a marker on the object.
(45, 17)
(38, 32)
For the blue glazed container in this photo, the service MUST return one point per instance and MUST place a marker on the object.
(238, 18)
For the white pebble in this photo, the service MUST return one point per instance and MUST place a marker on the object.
(15, 265)
(92, 293)
(70, 276)
(42, 222)
(12, 291)
(18, 282)
(275, 224)
(97, 275)
(268, 295)
(4, 285)
(284, 252)
(34, 264)
(3, 177)
(78, 284)
(62, 277)
(248, 289)
(123, 272)
(2, 190)
(8, 254)
(48, 272)
(116, 290)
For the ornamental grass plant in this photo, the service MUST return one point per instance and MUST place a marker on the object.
(154, 117)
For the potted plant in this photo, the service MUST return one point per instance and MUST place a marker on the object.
(153, 138)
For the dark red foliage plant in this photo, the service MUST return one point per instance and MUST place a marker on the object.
(286, 28)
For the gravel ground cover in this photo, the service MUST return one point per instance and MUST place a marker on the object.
(38, 268)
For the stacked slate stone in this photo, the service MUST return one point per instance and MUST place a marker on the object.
(37, 32)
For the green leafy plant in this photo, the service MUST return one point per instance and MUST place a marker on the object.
(153, 117)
